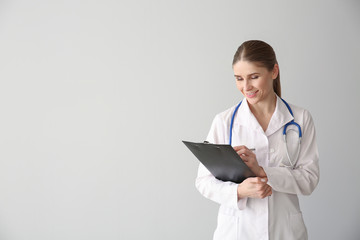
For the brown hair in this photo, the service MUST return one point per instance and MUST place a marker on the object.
(261, 53)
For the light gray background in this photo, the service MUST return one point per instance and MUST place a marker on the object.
(95, 97)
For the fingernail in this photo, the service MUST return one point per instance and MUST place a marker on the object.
(263, 180)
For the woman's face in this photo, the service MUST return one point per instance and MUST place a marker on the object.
(254, 82)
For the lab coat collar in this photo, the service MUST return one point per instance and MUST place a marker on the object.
(280, 117)
(245, 117)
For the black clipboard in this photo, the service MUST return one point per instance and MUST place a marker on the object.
(221, 160)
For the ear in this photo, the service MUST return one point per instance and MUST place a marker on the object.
(275, 71)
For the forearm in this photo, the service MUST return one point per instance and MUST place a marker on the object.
(224, 193)
(295, 181)
(261, 173)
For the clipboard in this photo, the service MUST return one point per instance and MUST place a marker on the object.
(221, 160)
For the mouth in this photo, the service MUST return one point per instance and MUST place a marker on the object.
(251, 94)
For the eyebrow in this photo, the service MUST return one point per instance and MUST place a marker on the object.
(248, 74)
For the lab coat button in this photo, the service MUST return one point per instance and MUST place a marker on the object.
(272, 150)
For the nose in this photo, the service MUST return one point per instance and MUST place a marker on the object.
(247, 85)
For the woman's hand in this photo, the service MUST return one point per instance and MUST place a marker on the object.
(254, 188)
(249, 159)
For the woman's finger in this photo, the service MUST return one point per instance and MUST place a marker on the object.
(263, 192)
(268, 191)
(244, 157)
(237, 148)
(247, 155)
(244, 151)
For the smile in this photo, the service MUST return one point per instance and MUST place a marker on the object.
(251, 94)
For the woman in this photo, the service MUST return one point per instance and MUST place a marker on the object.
(266, 206)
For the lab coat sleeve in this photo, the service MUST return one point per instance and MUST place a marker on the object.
(224, 193)
(305, 177)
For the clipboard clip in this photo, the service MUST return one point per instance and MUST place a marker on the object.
(206, 142)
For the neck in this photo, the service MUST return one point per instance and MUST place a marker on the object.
(265, 107)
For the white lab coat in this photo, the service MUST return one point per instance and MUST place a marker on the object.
(278, 216)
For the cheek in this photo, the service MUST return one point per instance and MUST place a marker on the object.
(239, 86)
(265, 85)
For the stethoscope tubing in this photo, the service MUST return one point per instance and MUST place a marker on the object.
(292, 122)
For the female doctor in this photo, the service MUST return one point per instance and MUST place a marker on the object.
(265, 206)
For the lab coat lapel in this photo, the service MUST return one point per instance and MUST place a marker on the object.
(245, 117)
(280, 117)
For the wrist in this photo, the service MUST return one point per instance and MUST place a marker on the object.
(261, 172)
(239, 194)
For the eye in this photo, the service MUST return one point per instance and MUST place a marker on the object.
(238, 78)
(254, 77)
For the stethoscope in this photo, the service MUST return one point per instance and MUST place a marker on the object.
(292, 122)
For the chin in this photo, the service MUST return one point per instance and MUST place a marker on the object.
(252, 100)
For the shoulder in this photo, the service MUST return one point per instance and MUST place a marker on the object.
(225, 116)
(301, 114)
(297, 109)
(220, 126)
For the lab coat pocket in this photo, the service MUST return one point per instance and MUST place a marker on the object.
(277, 155)
(297, 226)
(226, 227)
